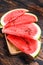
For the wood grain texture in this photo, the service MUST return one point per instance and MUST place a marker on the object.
(20, 59)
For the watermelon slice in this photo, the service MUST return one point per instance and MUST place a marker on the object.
(24, 19)
(28, 30)
(12, 15)
(32, 48)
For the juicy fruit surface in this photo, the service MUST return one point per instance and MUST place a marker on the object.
(28, 30)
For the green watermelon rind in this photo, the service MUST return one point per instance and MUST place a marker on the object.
(2, 18)
(1, 25)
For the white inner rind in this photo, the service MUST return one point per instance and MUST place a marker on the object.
(2, 18)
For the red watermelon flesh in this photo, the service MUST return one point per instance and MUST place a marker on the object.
(24, 19)
(22, 45)
(13, 14)
(27, 30)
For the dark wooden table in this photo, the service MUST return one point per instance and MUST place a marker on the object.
(5, 57)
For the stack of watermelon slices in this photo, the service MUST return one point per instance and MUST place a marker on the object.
(21, 32)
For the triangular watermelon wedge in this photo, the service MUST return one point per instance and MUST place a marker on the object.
(32, 48)
(26, 18)
(28, 30)
(12, 15)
